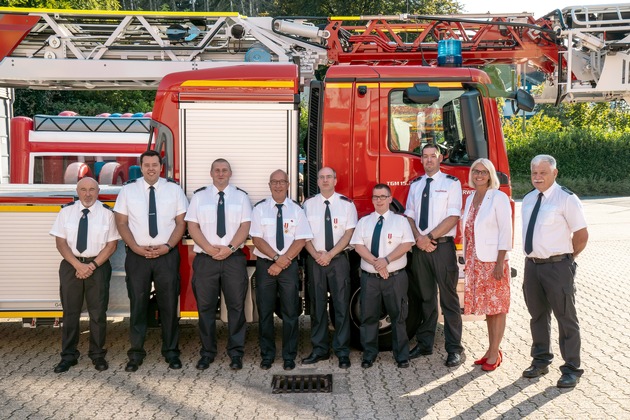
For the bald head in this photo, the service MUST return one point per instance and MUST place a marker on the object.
(87, 190)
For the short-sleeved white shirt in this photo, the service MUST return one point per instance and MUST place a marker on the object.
(101, 227)
(263, 226)
(395, 231)
(203, 210)
(343, 217)
(445, 199)
(133, 201)
(560, 215)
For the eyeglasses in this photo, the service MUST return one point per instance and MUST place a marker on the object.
(484, 172)
(322, 177)
(278, 182)
(380, 197)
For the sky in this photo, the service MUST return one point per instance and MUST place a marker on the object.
(538, 7)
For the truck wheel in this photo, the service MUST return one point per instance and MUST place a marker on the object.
(385, 327)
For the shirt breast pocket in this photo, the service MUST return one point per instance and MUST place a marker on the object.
(339, 223)
(234, 212)
(268, 226)
(392, 240)
(547, 218)
(207, 214)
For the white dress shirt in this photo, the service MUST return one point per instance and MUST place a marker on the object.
(133, 201)
(560, 215)
(395, 231)
(343, 217)
(445, 199)
(101, 227)
(203, 210)
(295, 226)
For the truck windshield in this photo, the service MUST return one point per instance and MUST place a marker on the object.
(413, 125)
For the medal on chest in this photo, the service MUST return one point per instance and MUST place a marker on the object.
(335, 222)
(389, 238)
(286, 227)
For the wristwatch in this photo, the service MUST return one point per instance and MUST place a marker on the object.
(430, 236)
(275, 257)
(232, 248)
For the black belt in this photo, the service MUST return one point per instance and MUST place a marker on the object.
(443, 239)
(391, 273)
(85, 260)
(341, 254)
(552, 259)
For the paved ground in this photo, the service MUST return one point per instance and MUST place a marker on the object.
(30, 389)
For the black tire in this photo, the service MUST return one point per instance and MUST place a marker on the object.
(385, 329)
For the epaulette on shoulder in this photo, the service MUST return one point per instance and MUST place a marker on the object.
(131, 181)
(172, 180)
(454, 178)
(199, 189)
(107, 207)
(343, 197)
(68, 204)
(566, 190)
(261, 201)
(415, 180)
(242, 190)
(297, 203)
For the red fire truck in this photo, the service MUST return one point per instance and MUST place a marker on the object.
(381, 99)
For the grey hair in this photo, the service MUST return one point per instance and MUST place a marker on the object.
(328, 167)
(537, 160)
(493, 181)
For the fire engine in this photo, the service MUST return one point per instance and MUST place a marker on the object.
(230, 86)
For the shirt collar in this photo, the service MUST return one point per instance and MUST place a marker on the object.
(331, 199)
(215, 191)
(156, 185)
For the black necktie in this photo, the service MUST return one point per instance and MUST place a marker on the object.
(153, 231)
(328, 229)
(82, 234)
(279, 232)
(221, 216)
(529, 236)
(376, 237)
(424, 205)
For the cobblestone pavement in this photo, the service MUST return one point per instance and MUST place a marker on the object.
(30, 389)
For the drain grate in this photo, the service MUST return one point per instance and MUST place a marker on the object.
(285, 384)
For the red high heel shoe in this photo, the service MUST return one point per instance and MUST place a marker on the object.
(490, 367)
(481, 361)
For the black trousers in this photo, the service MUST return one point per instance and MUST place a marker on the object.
(268, 288)
(550, 288)
(210, 278)
(163, 272)
(432, 271)
(95, 291)
(393, 293)
(336, 278)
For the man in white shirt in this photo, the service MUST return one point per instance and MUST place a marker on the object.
(279, 231)
(554, 233)
(332, 218)
(86, 236)
(218, 219)
(382, 240)
(150, 218)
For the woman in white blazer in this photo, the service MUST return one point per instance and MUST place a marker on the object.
(487, 229)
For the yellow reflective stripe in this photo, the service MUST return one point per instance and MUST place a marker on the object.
(116, 12)
(241, 83)
(189, 314)
(49, 314)
(345, 18)
(391, 85)
(36, 208)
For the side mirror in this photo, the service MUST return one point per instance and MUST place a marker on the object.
(523, 100)
(422, 93)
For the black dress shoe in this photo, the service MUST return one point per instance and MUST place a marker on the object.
(314, 358)
(236, 363)
(204, 362)
(535, 371)
(100, 364)
(418, 351)
(366, 364)
(344, 362)
(65, 365)
(266, 364)
(174, 363)
(132, 365)
(289, 365)
(568, 380)
(403, 364)
(454, 359)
